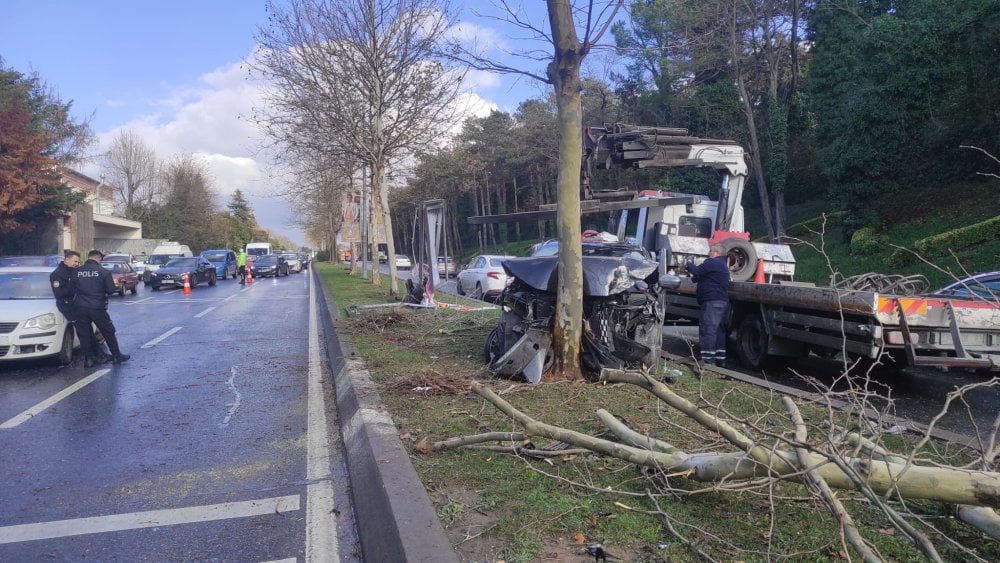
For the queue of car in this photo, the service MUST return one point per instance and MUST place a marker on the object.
(33, 328)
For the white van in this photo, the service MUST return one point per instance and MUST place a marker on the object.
(258, 248)
(163, 254)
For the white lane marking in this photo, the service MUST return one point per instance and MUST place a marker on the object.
(235, 405)
(26, 415)
(230, 297)
(149, 519)
(160, 338)
(140, 301)
(321, 525)
(205, 312)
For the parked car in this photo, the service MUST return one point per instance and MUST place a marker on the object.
(31, 325)
(293, 261)
(484, 276)
(403, 262)
(224, 261)
(125, 277)
(198, 270)
(269, 265)
(985, 285)
(447, 266)
(47, 260)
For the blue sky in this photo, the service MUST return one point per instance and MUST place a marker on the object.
(171, 70)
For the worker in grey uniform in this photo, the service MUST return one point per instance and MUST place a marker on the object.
(92, 285)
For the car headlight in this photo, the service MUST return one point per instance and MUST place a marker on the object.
(44, 322)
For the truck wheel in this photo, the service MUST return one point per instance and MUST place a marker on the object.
(751, 341)
(742, 257)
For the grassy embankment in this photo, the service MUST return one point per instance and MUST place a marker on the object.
(499, 506)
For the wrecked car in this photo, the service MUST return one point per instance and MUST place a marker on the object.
(623, 310)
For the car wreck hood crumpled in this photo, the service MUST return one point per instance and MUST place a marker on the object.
(602, 275)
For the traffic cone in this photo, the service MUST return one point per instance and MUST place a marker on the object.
(187, 285)
(758, 277)
(249, 275)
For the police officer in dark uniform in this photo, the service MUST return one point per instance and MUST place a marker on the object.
(61, 280)
(92, 285)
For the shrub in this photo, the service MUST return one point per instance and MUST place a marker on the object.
(963, 237)
(864, 242)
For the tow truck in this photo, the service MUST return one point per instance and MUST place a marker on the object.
(772, 315)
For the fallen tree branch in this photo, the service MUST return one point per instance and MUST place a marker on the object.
(847, 526)
(957, 486)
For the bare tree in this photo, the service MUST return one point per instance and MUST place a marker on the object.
(131, 167)
(360, 77)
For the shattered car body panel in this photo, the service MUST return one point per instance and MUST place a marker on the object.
(623, 313)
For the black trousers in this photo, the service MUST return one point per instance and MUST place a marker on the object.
(100, 317)
(96, 341)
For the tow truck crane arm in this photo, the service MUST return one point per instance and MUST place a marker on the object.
(630, 146)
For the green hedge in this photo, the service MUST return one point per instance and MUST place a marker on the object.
(940, 244)
(864, 242)
(956, 239)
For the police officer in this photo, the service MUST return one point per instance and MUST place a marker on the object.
(712, 277)
(241, 266)
(93, 284)
(61, 280)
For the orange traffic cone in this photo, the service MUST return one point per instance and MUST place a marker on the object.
(187, 285)
(249, 275)
(758, 276)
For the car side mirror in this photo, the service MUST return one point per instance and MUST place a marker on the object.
(668, 281)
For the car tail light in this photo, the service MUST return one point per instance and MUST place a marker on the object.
(493, 275)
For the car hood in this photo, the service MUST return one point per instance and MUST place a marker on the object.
(541, 272)
(17, 310)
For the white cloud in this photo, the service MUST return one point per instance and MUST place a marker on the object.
(211, 122)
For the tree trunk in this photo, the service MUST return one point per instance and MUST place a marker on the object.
(758, 170)
(564, 74)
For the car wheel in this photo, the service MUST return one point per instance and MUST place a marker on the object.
(212, 281)
(121, 290)
(65, 355)
(458, 287)
(479, 292)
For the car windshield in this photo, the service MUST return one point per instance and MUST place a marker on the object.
(25, 285)
(267, 259)
(30, 261)
(111, 266)
(983, 287)
(161, 259)
(291, 256)
(182, 263)
(115, 258)
(215, 256)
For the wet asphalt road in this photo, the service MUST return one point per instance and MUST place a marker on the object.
(208, 445)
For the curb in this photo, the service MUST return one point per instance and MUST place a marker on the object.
(396, 519)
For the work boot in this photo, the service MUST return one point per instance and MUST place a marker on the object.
(88, 362)
(120, 358)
